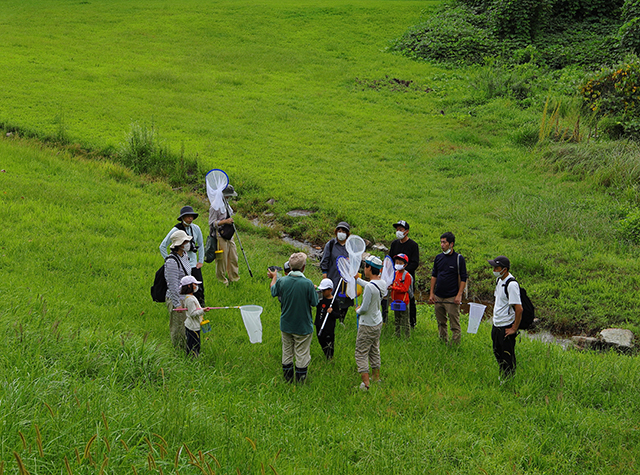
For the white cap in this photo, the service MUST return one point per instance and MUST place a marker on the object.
(325, 284)
(189, 279)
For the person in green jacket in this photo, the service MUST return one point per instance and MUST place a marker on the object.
(297, 295)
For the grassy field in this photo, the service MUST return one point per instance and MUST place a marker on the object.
(89, 377)
(300, 102)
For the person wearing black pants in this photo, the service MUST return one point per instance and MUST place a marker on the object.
(325, 322)
(507, 313)
(404, 245)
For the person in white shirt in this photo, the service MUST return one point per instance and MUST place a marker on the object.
(507, 313)
(370, 322)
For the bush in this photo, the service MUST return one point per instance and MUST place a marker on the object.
(629, 227)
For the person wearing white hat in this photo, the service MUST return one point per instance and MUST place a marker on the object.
(325, 318)
(176, 266)
(370, 322)
(193, 315)
(195, 250)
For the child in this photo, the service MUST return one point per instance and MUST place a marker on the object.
(194, 314)
(370, 323)
(324, 311)
(402, 285)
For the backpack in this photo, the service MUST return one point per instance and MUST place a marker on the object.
(528, 310)
(410, 291)
(159, 287)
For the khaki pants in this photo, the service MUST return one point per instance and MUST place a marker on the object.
(443, 307)
(176, 327)
(368, 348)
(298, 345)
(228, 263)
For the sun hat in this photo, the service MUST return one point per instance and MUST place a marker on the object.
(186, 211)
(298, 260)
(189, 279)
(402, 257)
(229, 191)
(325, 284)
(179, 237)
(402, 223)
(500, 261)
(344, 225)
(374, 261)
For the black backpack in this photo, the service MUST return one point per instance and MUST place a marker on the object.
(159, 287)
(528, 310)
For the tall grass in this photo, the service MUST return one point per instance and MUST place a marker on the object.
(89, 382)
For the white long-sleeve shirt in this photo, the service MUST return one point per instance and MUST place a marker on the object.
(369, 312)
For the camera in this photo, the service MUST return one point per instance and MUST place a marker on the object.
(193, 246)
(275, 268)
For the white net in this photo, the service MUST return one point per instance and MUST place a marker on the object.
(251, 318)
(344, 268)
(387, 273)
(355, 246)
(217, 181)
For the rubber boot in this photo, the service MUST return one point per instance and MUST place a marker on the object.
(301, 375)
(288, 372)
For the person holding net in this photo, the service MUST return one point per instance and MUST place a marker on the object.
(221, 226)
(333, 249)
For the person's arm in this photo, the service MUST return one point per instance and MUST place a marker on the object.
(432, 291)
(173, 274)
(513, 329)
(200, 243)
(326, 260)
(366, 300)
(165, 243)
(273, 275)
(193, 310)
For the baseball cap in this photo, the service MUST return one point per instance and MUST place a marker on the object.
(402, 223)
(325, 284)
(189, 279)
(403, 257)
(374, 261)
(344, 225)
(500, 261)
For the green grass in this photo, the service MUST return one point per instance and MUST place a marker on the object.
(84, 352)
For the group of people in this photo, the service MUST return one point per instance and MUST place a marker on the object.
(447, 285)
(183, 251)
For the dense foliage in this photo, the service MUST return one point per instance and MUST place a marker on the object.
(552, 33)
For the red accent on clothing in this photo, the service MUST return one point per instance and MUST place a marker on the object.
(400, 287)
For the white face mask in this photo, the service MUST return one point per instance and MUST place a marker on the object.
(195, 288)
(448, 251)
(399, 234)
(341, 236)
(399, 266)
(497, 274)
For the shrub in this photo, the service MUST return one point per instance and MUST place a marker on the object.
(629, 227)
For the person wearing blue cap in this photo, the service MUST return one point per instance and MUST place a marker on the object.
(370, 322)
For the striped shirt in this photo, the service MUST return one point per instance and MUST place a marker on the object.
(173, 272)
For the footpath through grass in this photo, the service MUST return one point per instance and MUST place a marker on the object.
(90, 383)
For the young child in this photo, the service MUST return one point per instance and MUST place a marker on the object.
(194, 314)
(324, 311)
(402, 284)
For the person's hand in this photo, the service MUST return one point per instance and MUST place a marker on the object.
(458, 299)
(432, 298)
(271, 274)
(329, 310)
(199, 265)
(510, 331)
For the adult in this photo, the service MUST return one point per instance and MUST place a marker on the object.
(298, 295)
(177, 266)
(333, 249)
(448, 281)
(507, 313)
(403, 244)
(221, 225)
(195, 250)
(370, 323)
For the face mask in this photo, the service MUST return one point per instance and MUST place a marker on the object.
(195, 288)
(399, 266)
(497, 274)
(341, 236)
(399, 234)
(448, 251)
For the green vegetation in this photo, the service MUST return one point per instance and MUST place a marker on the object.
(90, 381)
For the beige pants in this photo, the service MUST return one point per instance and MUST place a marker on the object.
(176, 327)
(453, 310)
(228, 264)
(298, 345)
(368, 348)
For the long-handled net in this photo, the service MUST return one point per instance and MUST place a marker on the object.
(217, 180)
(250, 317)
